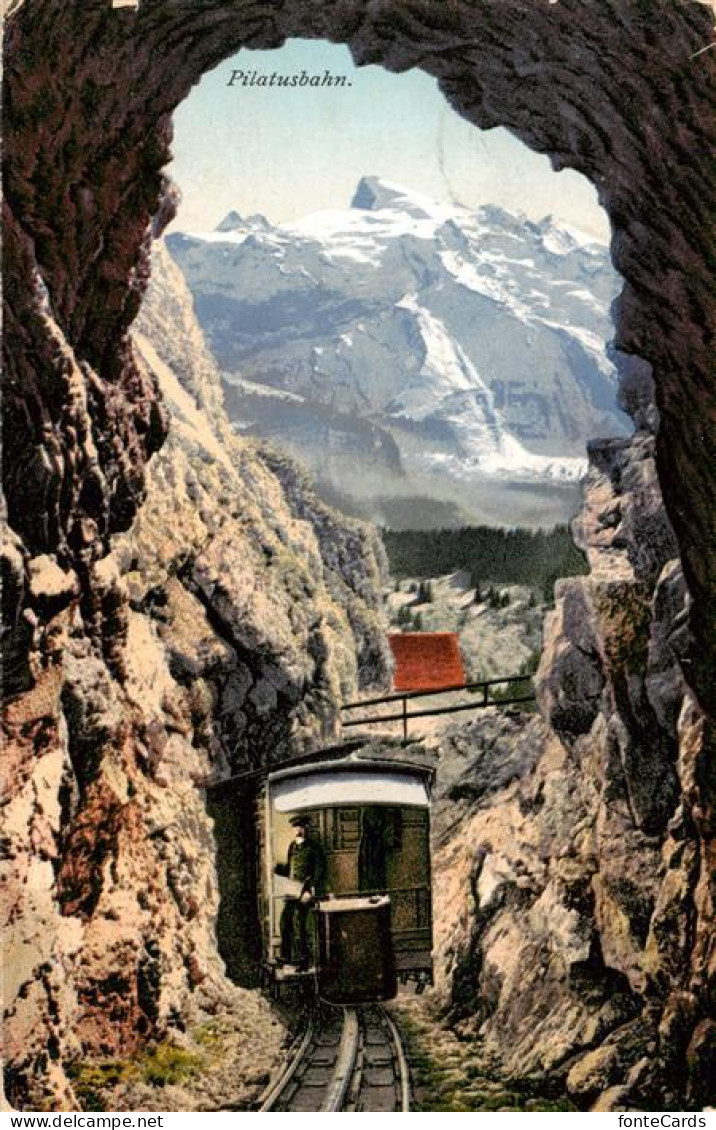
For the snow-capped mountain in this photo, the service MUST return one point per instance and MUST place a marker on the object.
(405, 347)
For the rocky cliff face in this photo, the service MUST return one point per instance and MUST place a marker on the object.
(572, 903)
(219, 633)
(105, 736)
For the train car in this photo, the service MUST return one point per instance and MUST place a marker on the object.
(345, 886)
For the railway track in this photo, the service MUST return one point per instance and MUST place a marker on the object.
(349, 1060)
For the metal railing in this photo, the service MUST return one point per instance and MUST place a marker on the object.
(403, 697)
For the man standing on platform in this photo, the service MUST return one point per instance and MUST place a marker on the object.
(306, 866)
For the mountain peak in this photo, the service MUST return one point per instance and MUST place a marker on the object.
(373, 194)
(231, 221)
(234, 221)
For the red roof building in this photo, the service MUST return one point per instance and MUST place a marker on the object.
(426, 661)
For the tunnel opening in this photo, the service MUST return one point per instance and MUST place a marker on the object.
(537, 70)
(238, 928)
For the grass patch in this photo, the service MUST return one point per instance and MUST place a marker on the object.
(451, 1075)
(164, 1064)
(160, 1065)
(91, 1081)
(212, 1034)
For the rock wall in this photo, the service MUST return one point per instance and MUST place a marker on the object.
(575, 924)
(221, 632)
(106, 732)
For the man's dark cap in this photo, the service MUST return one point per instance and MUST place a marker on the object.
(300, 822)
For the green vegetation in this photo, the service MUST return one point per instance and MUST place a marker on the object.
(498, 556)
(452, 1075)
(425, 592)
(404, 617)
(211, 1034)
(164, 1064)
(497, 599)
(91, 1081)
(519, 688)
(159, 1065)
(548, 587)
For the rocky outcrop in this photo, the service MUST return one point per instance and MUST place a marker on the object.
(573, 914)
(220, 633)
(105, 736)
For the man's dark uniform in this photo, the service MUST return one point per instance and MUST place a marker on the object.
(306, 865)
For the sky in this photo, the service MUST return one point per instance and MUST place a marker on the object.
(289, 151)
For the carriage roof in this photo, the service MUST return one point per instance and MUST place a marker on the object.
(365, 759)
(351, 781)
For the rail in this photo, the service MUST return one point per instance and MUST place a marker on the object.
(298, 1054)
(404, 697)
(348, 1060)
(345, 1063)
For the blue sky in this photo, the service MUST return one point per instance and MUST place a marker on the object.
(289, 151)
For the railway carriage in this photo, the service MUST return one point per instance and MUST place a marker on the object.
(369, 922)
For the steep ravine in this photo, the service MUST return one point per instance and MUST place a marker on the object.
(106, 840)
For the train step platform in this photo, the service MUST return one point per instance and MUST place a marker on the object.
(275, 977)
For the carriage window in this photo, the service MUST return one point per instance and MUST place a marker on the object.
(344, 828)
(393, 825)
